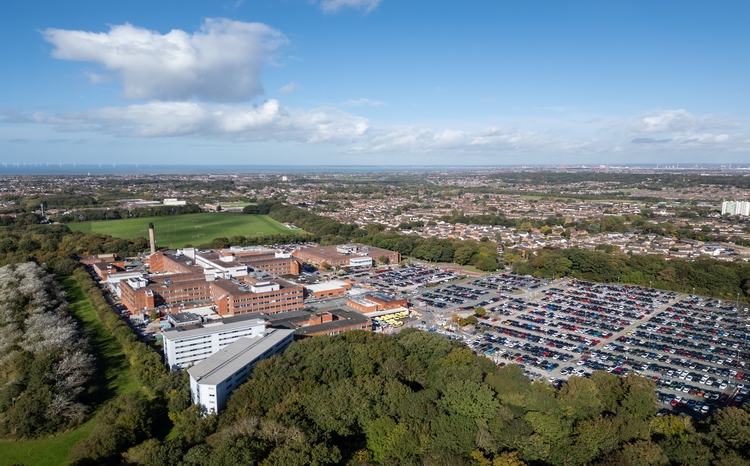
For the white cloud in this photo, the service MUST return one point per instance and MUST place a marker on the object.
(335, 5)
(272, 121)
(220, 62)
(650, 141)
(268, 121)
(347, 133)
(96, 78)
(289, 88)
(676, 121)
(704, 139)
(362, 103)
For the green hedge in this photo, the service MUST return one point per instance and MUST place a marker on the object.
(146, 363)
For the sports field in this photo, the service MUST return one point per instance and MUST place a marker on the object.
(178, 230)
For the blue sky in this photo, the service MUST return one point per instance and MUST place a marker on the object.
(371, 82)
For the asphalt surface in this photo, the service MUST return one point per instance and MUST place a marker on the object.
(437, 319)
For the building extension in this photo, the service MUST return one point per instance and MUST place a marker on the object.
(215, 378)
(326, 322)
(346, 255)
(377, 304)
(187, 345)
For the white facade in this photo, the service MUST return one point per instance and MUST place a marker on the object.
(216, 377)
(114, 280)
(185, 347)
(360, 262)
(735, 208)
(173, 201)
(225, 267)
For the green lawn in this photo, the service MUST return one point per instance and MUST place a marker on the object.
(178, 230)
(118, 379)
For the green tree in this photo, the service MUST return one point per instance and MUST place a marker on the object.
(463, 255)
(469, 399)
(580, 398)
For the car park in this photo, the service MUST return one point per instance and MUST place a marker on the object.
(672, 340)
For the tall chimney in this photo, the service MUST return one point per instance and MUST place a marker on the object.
(151, 238)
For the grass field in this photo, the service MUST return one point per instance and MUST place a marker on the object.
(119, 379)
(178, 230)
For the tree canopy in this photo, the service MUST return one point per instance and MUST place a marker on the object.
(45, 362)
(417, 398)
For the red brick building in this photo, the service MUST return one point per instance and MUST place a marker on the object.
(328, 322)
(274, 266)
(171, 263)
(231, 297)
(261, 259)
(331, 289)
(376, 302)
(348, 255)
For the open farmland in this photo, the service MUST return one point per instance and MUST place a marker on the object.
(178, 230)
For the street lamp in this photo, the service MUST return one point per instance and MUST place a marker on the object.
(649, 283)
(693, 291)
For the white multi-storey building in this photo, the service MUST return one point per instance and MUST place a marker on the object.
(216, 377)
(185, 347)
(735, 208)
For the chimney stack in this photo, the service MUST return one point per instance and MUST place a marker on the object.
(151, 238)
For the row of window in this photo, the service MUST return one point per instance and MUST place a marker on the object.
(267, 296)
(193, 357)
(190, 350)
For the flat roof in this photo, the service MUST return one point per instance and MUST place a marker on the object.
(387, 311)
(215, 259)
(232, 358)
(291, 319)
(385, 297)
(344, 319)
(250, 260)
(326, 286)
(183, 260)
(358, 250)
(160, 283)
(184, 317)
(216, 326)
(238, 287)
(291, 316)
(363, 301)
